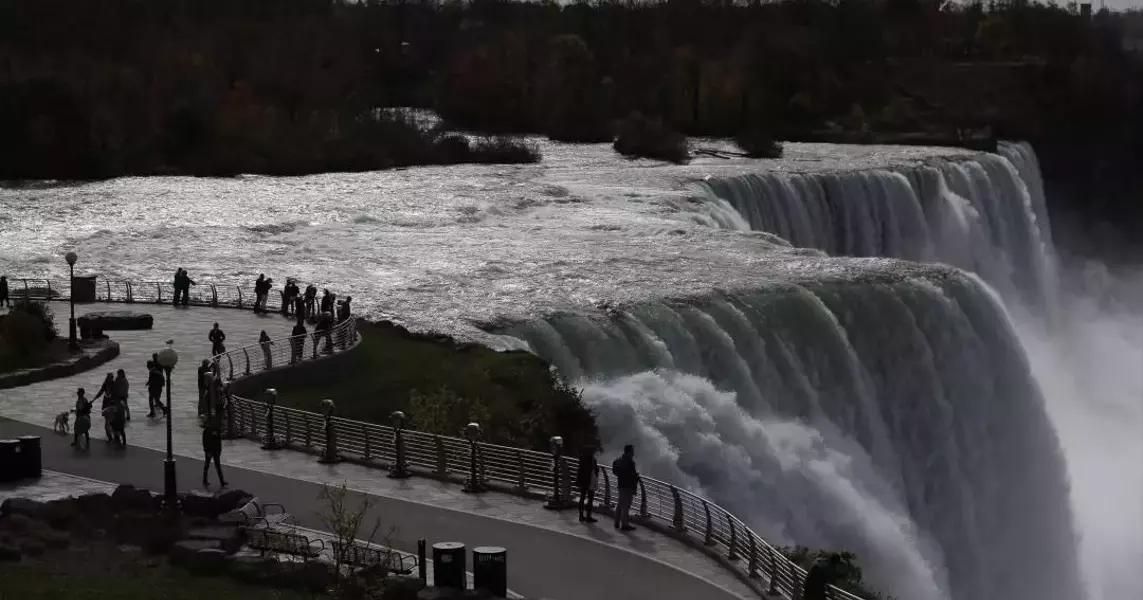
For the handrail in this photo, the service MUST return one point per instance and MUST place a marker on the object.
(520, 470)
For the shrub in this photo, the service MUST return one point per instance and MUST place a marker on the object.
(850, 577)
(504, 150)
(22, 338)
(639, 136)
(758, 143)
(43, 313)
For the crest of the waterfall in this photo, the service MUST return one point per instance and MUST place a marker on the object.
(892, 413)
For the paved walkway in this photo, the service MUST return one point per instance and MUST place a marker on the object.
(551, 554)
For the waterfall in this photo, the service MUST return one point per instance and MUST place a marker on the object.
(895, 408)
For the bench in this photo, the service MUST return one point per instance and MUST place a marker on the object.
(255, 514)
(358, 555)
(280, 542)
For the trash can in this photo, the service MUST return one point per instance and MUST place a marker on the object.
(9, 460)
(449, 565)
(490, 570)
(83, 288)
(31, 461)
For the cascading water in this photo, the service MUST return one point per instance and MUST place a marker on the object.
(877, 406)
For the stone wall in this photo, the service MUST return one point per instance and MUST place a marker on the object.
(95, 353)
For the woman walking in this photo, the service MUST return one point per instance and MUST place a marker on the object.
(82, 420)
(107, 392)
(121, 390)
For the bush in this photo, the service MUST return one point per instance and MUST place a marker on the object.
(504, 150)
(639, 136)
(851, 575)
(22, 338)
(43, 313)
(758, 143)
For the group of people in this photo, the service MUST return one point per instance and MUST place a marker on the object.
(4, 301)
(182, 285)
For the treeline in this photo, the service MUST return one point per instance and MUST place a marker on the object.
(291, 85)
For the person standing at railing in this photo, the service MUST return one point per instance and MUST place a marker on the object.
(324, 329)
(822, 574)
(187, 282)
(4, 301)
(587, 480)
(289, 293)
(216, 337)
(155, 384)
(298, 341)
(311, 298)
(265, 341)
(300, 308)
(328, 301)
(259, 292)
(212, 448)
(627, 481)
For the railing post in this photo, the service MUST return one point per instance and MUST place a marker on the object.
(442, 457)
(521, 473)
(253, 421)
(270, 442)
(239, 288)
(773, 588)
(159, 291)
(643, 514)
(286, 426)
(329, 455)
(400, 468)
(306, 420)
(732, 553)
(230, 361)
(213, 295)
(677, 519)
(708, 535)
(752, 570)
(247, 355)
(130, 292)
(49, 284)
(558, 500)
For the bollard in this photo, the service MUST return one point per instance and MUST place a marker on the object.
(449, 565)
(31, 459)
(422, 561)
(559, 500)
(9, 459)
(400, 469)
(270, 442)
(329, 454)
(490, 570)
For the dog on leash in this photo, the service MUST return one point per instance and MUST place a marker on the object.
(62, 425)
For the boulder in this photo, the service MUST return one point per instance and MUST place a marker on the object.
(98, 508)
(114, 320)
(233, 499)
(182, 553)
(229, 539)
(128, 497)
(200, 505)
(64, 514)
(401, 588)
(22, 506)
(208, 561)
(313, 576)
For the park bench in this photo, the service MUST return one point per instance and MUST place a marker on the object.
(255, 514)
(359, 555)
(280, 542)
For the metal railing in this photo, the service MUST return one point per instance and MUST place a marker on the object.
(521, 471)
(282, 352)
(228, 295)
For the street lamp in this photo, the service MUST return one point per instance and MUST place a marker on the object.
(72, 343)
(473, 432)
(168, 358)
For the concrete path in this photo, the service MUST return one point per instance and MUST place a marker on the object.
(610, 564)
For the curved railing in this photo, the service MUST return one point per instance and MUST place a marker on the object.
(658, 503)
(517, 470)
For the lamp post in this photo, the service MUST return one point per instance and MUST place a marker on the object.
(400, 469)
(474, 485)
(72, 343)
(168, 358)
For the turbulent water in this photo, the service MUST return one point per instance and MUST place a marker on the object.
(894, 408)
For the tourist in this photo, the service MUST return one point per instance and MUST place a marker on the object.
(288, 294)
(821, 575)
(299, 308)
(178, 286)
(298, 341)
(324, 328)
(186, 283)
(155, 384)
(121, 390)
(212, 447)
(107, 392)
(587, 480)
(203, 370)
(327, 301)
(311, 296)
(343, 309)
(259, 291)
(4, 301)
(216, 337)
(265, 341)
(82, 420)
(627, 482)
(116, 415)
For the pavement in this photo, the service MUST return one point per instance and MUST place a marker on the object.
(551, 554)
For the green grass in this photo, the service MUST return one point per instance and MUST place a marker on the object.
(514, 395)
(98, 576)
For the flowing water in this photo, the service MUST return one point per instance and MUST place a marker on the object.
(746, 323)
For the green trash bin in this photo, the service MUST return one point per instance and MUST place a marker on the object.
(83, 288)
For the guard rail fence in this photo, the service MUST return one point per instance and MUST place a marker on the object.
(227, 295)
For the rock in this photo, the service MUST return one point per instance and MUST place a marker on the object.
(233, 500)
(98, 508)
(31, 547)
(128, 497)
(115, 320)
(230, 539)
(254, 569)
(9, 553)
(200, 505)
(182, 553)
(436, 593)
(17, 523)
(63, 514)
(313, 576)
(54, 540)
(208, 561)
(22, 506)
(401, 588)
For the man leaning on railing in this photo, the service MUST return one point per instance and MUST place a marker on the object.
(627, 481)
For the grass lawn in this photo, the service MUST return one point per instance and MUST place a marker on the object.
(441, 385)
(104, 572)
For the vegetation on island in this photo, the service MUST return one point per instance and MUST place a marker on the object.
(443, 385)
(28, 337)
